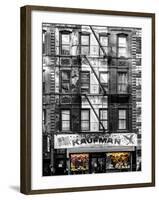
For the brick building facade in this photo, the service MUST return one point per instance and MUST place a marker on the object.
(91, 99)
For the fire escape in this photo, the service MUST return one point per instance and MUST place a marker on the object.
(104, 92)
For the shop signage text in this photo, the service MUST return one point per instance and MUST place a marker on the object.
(88, 140)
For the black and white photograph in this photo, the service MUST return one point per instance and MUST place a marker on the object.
(91, 99)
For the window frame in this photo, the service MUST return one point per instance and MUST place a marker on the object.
(122, 35)
(126, 119)
(100, 51)
(103, 84)
(81, 45)
(85, 109)
(61, 80)
(121, 84)
(65, 120)
(81, 81)
(61, 43)
(101, 128)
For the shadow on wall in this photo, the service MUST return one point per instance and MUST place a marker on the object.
(15, 188)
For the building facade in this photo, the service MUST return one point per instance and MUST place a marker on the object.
(91, 99)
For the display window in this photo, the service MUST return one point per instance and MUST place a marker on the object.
(79, 163)
(118, 161)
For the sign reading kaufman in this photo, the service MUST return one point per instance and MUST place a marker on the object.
(87, 140)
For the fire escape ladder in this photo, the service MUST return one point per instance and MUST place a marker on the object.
(104, 92)
(94, 111)
(105, 55)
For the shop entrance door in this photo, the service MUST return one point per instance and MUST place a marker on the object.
(97, 163)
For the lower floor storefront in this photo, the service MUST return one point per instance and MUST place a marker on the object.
(81, 154)
(85, 163)
(88, 161)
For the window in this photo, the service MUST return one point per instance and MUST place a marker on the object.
(85, 82)
(103, 117)
(122, 82)
(85, 44)
(118, 160)
(122, 119)
(65, 120)
(65, 43)
(85, 120)
(65, 81)
(122, 46)
(79, 163)
(103, 76)
(104, 43)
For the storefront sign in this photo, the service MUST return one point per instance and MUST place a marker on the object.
(89, 140)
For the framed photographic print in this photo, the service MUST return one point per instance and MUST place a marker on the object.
(87, 99)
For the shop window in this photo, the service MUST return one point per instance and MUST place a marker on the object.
(65, 43)
(85, 120)
(65, 81)
(85, 44)
(79, 163)
(103, 77)
(122, 46)
(65, 120)
(103, 117)
(118, 161)
(122, 82)
(122, 119)
(85, 82)
(104, 43)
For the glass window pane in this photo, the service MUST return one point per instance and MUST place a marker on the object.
(65, 115)
(65, 87)
(122, 114)
(105, 49)
(104, 77)
(103, 114)
(84, 115)
(122, 124)
(122, 77)
(104, 40)
(65, 125)
(65, 39)
(84, 125)
(121, 51)
(84, 39)
(122, 41)
(65, 50)
(84, 50)
(65, 76)
(122, 88)
(105, 124)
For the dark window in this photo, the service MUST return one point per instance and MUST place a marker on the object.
(122, 46)
(122, 119)
(65, 81)
(103, 117)
(65, 43)
(103, 76)
(122, 82)
(85, 44)
(65, 120)
(104, 43)
(85, 82)
(85, 120)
